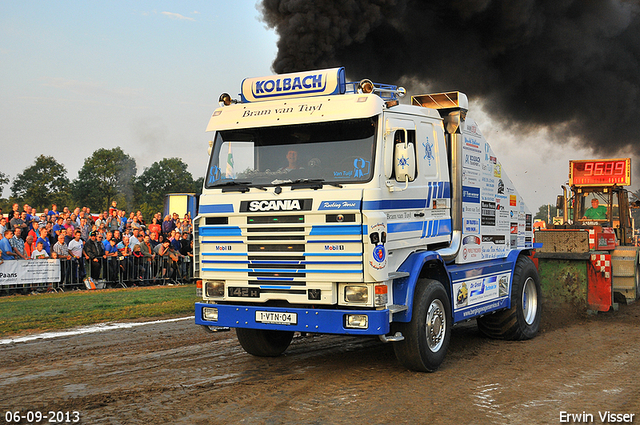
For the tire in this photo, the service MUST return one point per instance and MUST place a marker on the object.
(522, 320)
(427, 335)
(264, 343)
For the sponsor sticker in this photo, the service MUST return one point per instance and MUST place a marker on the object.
(379, 253)
(339, 205)
(471, 194)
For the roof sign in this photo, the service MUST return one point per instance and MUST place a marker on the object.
(301, 84)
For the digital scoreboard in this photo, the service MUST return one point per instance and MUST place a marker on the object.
(600, 172)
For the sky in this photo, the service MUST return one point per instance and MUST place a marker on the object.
(76, 76)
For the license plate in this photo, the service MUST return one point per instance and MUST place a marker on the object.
(240, 291)
(277, 318)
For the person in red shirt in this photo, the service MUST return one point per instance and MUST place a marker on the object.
(113, 207)
(155, 227)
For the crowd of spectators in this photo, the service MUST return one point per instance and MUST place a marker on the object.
(107, 242)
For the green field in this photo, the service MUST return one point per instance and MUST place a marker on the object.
(24, 314)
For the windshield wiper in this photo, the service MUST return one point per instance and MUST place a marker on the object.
(237, 186)
(304, 183)
(311, 184)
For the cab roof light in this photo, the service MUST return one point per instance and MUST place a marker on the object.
(366, 86)
(225, 100)
(385, 91)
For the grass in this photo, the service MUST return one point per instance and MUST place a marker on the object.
(20, 314)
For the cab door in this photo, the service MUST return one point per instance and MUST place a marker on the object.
(406, 193)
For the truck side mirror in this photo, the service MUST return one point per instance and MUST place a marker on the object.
(560, 202)
(404, 162)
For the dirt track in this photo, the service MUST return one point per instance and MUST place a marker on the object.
(176, 373)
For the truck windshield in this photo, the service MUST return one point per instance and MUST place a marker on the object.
(333, 152)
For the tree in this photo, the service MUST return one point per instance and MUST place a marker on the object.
(197, 185)
(546, 213)
(42, 184)
(3, 180)
(169, 175)
(106, 175)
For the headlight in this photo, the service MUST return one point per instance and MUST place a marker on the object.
(210, 314)
(356, 294)
(214, 288)
(357, 321)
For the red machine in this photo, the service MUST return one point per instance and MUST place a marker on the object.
(588, 254)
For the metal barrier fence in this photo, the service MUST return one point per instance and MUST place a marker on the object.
(112, 272)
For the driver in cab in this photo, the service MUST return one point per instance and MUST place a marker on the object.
(292, 158)
(596, 212)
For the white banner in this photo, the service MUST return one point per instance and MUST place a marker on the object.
(14, 272)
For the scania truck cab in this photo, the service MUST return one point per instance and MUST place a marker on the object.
(331, 207)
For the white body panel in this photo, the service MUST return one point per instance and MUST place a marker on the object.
(286, 260)
(495, 218)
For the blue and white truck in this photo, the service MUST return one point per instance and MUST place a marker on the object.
(331, 207)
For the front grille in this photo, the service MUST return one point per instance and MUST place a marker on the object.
(289, 262)
(268, 219)
(266, 265)
(275, 238)
(274, 274)
(277, 282)
(270, 229)
(276, 257)
(285, 291)
(276, 247)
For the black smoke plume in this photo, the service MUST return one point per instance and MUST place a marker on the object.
(571, 66)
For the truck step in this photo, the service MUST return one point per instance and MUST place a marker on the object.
(398, 275)
(392, 338)
(396, 308)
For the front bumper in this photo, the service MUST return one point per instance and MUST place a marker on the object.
(308, 320)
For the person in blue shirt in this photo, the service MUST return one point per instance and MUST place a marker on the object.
(53, 210)
(111, 252)
(59, 227)
(44, 238)
(105, 241)
(5, 246)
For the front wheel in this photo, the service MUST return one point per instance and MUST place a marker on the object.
(264, 343)
(522, 320)
(427, 335)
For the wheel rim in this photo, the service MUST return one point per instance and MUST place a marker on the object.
(529, 301)
(436, 325)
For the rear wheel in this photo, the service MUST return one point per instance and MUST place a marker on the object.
(427, 335)
(522, 320)
(264, 343)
